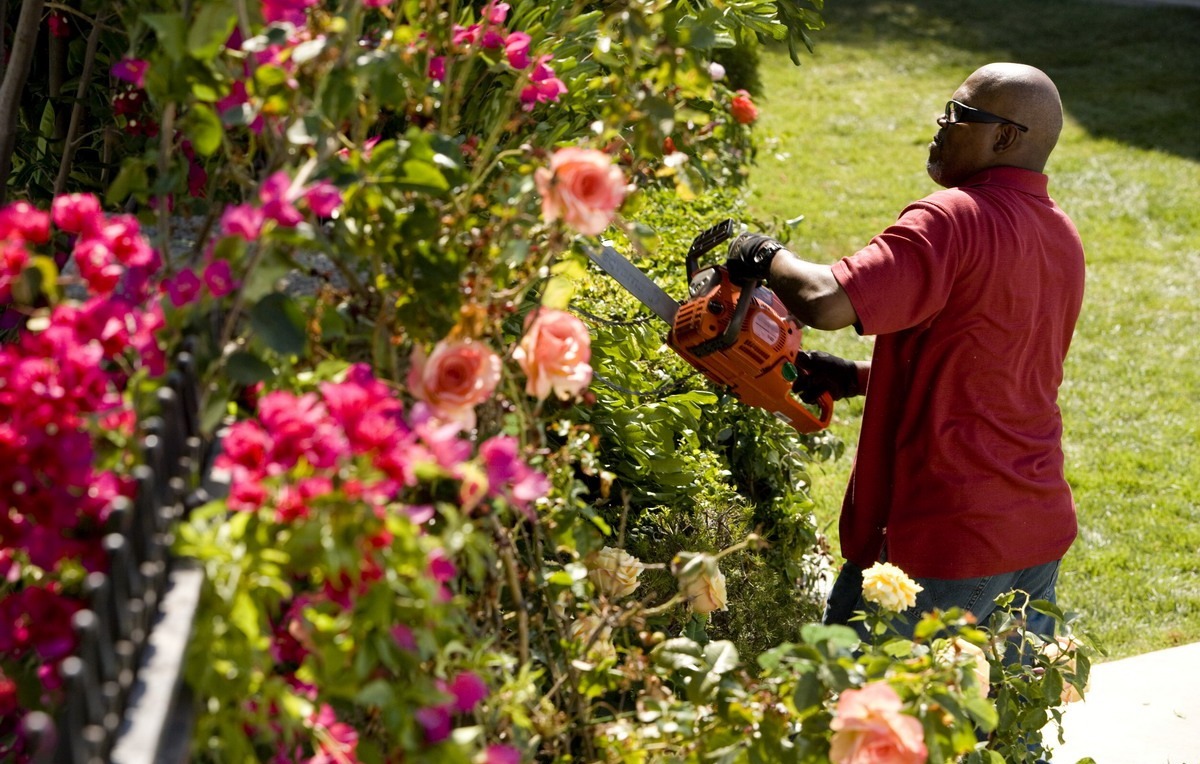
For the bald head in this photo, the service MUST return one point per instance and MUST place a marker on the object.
(1025, 95)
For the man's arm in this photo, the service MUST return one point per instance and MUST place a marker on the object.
(810, 292)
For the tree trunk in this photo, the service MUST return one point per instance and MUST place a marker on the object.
(24, 42)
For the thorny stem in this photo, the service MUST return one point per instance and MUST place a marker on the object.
(514, 583)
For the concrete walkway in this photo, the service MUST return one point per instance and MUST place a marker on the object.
(1140, 710)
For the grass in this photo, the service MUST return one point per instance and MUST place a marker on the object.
(847, 142)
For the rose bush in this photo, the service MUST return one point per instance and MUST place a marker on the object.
(415, 559)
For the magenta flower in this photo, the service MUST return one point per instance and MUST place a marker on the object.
(496, 13)
(219, 278)
(492, 39)
(242, 220)
(501, 754)
(437, 69)
(288, 11)
(511, 478)
(465, 36)
(184, 288)
(277, 199)
(376, 3)
(543, 86)
(516, 48)
(441, 567)
(323, 198)
(131, 70)
(24, 222)
(435, 721)
(468, 691)
(98, 265)
(403, 636)
(339, 742)
(76, 213)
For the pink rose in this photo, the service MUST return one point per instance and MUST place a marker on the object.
(583, 187)
(869, 728)
(455, 378)
(554, 354)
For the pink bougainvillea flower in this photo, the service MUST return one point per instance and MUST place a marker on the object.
(492, 38)
(131, 70)
(13, 258)
(509, 477)
(543, 87)
(468, 690)
(60, 26)
(337, 742)
(554, 354)
(403, 637)
(244, 220)
(288, 11)
(278, 197)
(437, 69)
(218, 278)
(435, 721)
(516, 48)
(465, 36)
(581, 186)
(501, 754)
(184, 288)
(24, 222)
(743, 109)
(869, 727)
(98, 266)
(495, 13)
(323, 198)
(377, 3)
(76, 213)
(455, 378)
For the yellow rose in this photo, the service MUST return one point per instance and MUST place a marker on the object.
(704, 586)
(889, 587)
(614, 571)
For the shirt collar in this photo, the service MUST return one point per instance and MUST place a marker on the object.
(1016, 178)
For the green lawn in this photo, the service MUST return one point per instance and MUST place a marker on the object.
(845, 148)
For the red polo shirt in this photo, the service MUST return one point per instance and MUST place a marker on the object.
(973, 293)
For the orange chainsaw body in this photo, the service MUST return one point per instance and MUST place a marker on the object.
(753, 360)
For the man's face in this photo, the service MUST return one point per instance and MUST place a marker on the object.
(959, 150)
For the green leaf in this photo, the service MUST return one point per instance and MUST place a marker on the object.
(247, 368)
(204, 128)
(808, 691)
(378, 693)
(171, 29)
(210, 29)
(280, 324)
(982, 711)
(131, 179)
(837, 635)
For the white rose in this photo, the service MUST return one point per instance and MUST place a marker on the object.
(585, 628)
(704, 586)
(614, 571)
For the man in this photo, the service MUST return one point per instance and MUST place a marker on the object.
(973, 296)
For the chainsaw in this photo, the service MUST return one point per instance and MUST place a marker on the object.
(740, 336)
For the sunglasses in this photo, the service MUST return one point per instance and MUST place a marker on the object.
(960, 112)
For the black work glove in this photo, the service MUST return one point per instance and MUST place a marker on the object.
(749, 257)
(820, 372)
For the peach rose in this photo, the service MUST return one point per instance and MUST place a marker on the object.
(554, 354)
(583, 187)
(703, 584)
(614, 571)
(869, 728)
(457, 376)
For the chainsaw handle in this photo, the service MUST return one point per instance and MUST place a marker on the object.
(799, 416)
(705, 242)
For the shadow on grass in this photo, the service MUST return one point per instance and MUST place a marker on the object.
(1126, 72)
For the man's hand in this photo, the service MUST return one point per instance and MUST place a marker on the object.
(821, 372)
(749, 257)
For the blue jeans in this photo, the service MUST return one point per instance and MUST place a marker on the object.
(976, 595)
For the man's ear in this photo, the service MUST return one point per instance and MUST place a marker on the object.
(1006, 138)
